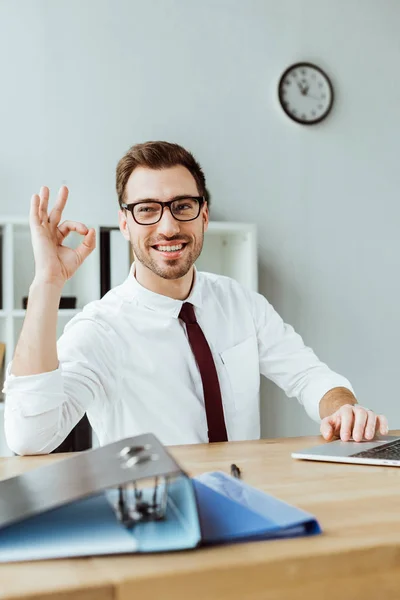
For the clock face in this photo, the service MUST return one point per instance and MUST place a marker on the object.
(305, 93)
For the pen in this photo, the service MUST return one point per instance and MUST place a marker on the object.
(235, 471)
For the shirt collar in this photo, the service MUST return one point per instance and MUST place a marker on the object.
(132, 289)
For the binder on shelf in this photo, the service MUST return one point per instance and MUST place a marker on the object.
(115, 258)
(129, 497)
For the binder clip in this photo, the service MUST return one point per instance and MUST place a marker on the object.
(132, 506)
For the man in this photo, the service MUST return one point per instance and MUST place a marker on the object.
(171, 350)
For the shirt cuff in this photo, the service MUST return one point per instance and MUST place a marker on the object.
(33, 395)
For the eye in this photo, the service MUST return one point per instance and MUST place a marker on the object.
(146, 209)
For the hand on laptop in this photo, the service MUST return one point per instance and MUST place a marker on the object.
(353, 422)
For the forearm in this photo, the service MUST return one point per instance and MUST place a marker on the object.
(334, 399)
(36, 350)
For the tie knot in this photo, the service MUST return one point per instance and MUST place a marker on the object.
(187, 313)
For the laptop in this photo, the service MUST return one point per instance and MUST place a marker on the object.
(383, 450)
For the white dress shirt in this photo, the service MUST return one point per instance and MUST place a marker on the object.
(127, 362)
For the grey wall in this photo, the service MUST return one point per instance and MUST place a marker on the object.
(82, 80)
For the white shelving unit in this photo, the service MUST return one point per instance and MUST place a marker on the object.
(229, 249)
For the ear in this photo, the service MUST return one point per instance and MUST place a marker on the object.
(123, 224)
(205, 215)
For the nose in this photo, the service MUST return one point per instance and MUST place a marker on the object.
(168, 226)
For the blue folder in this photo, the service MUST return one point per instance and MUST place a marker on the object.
(231, 510)
(55, 514)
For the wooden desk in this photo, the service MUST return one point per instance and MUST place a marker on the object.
(358, 555)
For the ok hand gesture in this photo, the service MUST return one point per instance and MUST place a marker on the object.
(55, 263)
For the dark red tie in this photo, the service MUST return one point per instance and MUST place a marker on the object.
(209, 376)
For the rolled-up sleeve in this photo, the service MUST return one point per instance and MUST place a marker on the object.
(33, 405)
(41, 410)
(288, 362)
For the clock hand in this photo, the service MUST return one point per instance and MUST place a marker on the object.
(314, 97)
(303, 88)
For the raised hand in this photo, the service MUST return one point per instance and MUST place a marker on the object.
(55, 263)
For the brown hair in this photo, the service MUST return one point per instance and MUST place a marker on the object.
(158, 155)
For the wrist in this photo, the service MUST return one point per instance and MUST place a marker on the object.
(40, 282)
(335, 399)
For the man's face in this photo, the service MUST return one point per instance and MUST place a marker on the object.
(149, 241)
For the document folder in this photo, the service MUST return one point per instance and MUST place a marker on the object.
(230, 510)
(131, 496)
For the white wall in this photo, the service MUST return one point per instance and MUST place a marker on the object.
(82, 80)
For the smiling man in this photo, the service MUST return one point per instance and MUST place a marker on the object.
(172, 350)
(165, 246)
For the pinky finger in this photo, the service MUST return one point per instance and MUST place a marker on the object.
(382, 424)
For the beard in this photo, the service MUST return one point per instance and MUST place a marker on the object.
(174, 268)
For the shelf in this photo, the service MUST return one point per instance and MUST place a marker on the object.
(218, 227)
(69, 312)
(63, 312)
(14, 220)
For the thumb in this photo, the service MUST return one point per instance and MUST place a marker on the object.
(327, 429)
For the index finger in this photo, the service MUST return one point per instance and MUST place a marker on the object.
(34, 210)
(56, 213)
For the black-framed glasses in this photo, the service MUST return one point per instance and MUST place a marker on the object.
(150, 212)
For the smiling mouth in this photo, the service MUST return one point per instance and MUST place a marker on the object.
(169, 248)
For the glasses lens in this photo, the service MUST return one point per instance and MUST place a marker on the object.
(147, 212)
(185, 209)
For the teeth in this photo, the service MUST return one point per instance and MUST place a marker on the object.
(169, 248)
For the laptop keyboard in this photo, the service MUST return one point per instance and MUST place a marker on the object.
(389, 451)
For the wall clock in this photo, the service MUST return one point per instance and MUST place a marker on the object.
(305, 93)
